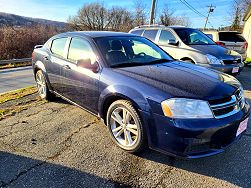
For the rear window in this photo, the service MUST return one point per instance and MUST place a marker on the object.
(137, 32)
(150, 34)
(58, 45)
(231, 37)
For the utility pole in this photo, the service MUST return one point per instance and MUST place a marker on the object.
(152, 14)
(210, 9)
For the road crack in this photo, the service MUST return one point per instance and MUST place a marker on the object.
(68, 140)
(20, 174)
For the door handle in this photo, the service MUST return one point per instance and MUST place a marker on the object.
(66, 67)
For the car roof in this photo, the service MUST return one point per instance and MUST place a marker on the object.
(95, 34)
(160, 27)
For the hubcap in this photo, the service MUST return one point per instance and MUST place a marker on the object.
(41, 85)
(124, 127)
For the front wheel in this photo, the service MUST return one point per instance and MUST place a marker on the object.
(42, 87)
(125, 126)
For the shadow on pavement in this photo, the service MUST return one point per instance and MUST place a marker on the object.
(19, 171)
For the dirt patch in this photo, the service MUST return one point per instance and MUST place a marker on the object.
(8, 66)
(16, 101)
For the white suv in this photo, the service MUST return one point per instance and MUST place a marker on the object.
(232, 40)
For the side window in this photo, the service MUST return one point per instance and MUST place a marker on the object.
(80, 49)
(48, 44)
(58, 45)
(137, 32)
(165, 36)
(150, 34)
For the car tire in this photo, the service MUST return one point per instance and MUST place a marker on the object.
(125, 126)
(42, 86)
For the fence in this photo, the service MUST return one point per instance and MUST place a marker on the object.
(15, 61)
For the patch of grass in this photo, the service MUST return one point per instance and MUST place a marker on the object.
(15, 65)
(248, 60)
(17, 94)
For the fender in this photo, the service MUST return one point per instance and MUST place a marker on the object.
(138, 100)
(40, 65)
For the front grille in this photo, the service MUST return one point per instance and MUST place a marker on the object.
(231, 62)
(227, 106)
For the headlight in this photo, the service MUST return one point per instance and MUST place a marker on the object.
(213, 60)
(186, 108)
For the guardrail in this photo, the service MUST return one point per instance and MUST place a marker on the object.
(14, 61)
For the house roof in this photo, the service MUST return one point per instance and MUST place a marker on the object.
(248, 13)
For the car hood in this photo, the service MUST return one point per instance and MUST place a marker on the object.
(179, 79)
(217, 51)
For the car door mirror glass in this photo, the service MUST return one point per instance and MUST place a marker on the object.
(172, 42)
(87, 64)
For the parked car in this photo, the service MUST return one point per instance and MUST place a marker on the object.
(143, 95)
(231, 40)
(194, 46)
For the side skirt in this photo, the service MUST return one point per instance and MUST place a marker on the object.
(97, 115)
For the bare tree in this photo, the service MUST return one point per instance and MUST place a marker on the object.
(140, 13)
(238, 11)
(120, 19)
(19, 42)
(92, 16)
(167, 18)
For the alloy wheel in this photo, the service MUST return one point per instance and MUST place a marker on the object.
(124, 127)
(41, 84)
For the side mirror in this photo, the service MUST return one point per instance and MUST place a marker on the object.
(87, 64)
(172, 42)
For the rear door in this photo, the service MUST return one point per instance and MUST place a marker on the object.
(54, 62)
(164, 37)
(81, 85)
(233, 41)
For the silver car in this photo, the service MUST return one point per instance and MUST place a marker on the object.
(194, 46)
(231, 40)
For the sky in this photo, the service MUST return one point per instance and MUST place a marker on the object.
(60, 10)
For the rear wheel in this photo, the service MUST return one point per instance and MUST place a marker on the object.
(125, 126)
(42, 87)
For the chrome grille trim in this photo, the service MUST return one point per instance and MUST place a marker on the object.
(226, 104)
(236, 103)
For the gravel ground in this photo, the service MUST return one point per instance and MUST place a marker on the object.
(57, 144)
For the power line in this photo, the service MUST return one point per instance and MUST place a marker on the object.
(192, 8)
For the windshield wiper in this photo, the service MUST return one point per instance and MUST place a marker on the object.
(131, 64)
(160, 61)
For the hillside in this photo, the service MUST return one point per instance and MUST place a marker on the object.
(15, 20)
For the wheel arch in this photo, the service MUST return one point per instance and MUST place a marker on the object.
(107, 98)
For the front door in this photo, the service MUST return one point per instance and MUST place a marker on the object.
(80, 85)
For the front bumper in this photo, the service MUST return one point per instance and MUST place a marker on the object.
(225, 68)
(194, 138)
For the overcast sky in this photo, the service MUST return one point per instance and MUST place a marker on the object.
(60, 10)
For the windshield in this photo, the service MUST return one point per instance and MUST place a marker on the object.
(194, 37)
(130, 51)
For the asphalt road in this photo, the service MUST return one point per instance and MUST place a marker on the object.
(56, 144)
(16, 78)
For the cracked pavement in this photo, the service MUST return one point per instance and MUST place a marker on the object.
(56, 144)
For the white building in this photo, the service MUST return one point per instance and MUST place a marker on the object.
(247, 30)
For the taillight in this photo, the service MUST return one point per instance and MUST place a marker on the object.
(220, 43)
(33, 56)
(245, 45)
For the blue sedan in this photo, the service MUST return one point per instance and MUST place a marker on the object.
(144, 96)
